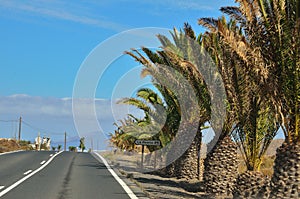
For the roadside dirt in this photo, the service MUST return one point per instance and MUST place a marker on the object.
(155, 186)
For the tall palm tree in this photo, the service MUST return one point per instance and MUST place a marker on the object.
(254, 120)
(268, 44)
(170, 69)
(221, 163)
(224, 154)
(247, 105)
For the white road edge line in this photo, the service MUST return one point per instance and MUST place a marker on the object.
(43, 162)
(5, 191)
(119, 180)
(11, 152)
(1, 187)
(27, 172)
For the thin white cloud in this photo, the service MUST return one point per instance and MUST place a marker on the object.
(187, 5)
(61, 11)
(61, 107)
(34, 106)
(196, 5)
(59, 110)
(53, 116)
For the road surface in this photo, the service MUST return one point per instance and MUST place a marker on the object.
(50, 175)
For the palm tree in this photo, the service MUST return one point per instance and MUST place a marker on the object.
(81, 144)
(255, 122)
(249, 109)
(171, 70)
(272, 29)
(155, 116)
(122, 139)
(220, 166)
(194, 60)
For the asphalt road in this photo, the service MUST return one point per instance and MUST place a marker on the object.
(64, 175)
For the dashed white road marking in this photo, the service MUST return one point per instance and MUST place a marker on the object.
(43, 162)
(119, 180)
(5, 191)
(1, 187)
(51, 155)
(27, 172)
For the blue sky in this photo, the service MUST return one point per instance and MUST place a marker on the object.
(43, 44)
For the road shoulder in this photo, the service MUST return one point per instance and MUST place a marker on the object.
(138, 192)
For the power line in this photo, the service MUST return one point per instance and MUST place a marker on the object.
(9, 120)
(12, 124)
(41, 129)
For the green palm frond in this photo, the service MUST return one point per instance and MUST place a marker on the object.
(135, 102)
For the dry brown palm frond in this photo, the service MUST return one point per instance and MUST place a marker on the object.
(235, 13)
(145, 72)
(138, 57)
(209, 23)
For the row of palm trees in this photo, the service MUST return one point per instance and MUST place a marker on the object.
(242, 77)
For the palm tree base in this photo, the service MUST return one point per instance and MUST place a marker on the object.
(285, 182)
(221, 168)
(251, 184)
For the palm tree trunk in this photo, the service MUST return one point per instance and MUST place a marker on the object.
(285, 182)
(186, 165)
(251, 184)
(221, 168)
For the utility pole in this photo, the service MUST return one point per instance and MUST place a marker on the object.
(20, 128)
(39, 142)
(65, 146)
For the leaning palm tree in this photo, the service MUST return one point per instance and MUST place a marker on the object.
(155, 116)
(221, 161)
(174, 73)
(177, 112)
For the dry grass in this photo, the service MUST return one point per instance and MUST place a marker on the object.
(7, 145)
(266, 166)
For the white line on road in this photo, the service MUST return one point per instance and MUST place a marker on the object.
(51, 155)
(1, 187)
(10, 152)
(26, 177)
(43, 162)
(119, 180)
(27, 172)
